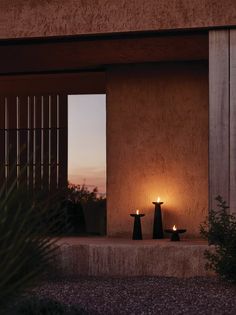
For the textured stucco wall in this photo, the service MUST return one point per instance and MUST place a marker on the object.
(157, 138)
(34, 18)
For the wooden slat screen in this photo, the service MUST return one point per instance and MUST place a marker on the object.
(33, 141)
(33, 125)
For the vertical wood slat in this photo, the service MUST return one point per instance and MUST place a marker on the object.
(63, 141)
(53, 149)
(31, 142)
(233, 121)
(219, 115)
(2, 140)
(12, 138)
(38, 125)
(23, 146)
(45, 178)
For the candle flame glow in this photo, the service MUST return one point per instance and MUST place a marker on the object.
(137, 211)
(174, 228)
(158, 199)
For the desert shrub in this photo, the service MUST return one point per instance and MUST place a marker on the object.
(220, 230)
(26, 247)
(79, 200)
(78, 193)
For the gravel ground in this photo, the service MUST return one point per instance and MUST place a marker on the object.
(146, 295)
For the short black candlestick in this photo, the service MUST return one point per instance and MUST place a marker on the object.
(175, 234)
(137, 231)
(157, 224)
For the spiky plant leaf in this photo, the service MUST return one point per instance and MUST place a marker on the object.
(28, 224)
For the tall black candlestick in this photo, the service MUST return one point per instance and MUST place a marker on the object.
(157, 224)
(137, 231)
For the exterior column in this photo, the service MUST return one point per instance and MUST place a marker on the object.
(222, 117)
(232, 86)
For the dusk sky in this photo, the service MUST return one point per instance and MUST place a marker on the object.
(87, 140)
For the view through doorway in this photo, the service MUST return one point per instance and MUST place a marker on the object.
(87, 162)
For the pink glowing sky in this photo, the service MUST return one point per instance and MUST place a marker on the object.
(87, 140)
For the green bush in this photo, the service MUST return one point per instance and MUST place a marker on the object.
(27, 248)
(220, 230)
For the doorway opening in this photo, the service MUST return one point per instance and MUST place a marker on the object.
(87, 163)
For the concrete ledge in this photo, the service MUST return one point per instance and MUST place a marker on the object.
(121, 257)
(73, 17)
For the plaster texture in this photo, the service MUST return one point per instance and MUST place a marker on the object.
(119, 257)
(157, 145)
(33, 18)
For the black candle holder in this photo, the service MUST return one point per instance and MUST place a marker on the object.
(137, 230)
(175, 234)
(157, 224)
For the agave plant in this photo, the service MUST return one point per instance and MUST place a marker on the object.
(28, 223)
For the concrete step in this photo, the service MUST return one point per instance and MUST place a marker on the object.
(103, 256)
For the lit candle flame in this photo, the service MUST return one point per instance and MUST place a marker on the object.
(158, 199)
(174, 228)
(137, 211)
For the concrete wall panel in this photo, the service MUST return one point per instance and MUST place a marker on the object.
(157, 138)
(127, 258)
(33, 18)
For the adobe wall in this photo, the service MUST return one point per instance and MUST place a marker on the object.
(157, 145)
(34, 18)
